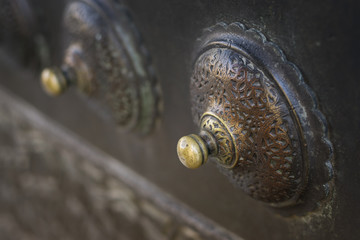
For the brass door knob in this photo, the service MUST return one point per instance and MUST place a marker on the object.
(75, 71)
(214, 139)
(106, 60)
(54, 81)
(255, 115)
(192, 151)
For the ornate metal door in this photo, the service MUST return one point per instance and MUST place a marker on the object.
(100, 99)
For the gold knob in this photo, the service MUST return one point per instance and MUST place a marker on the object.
(192, 151)
(213, 140)
(54, 81)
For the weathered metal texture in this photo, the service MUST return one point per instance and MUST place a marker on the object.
(54, 187)
(17, 20)
(17, 29)
(110, 64)
(319, 36)
(226, 150)
(262, 114)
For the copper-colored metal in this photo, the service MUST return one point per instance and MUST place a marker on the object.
(247, 117)
(106, 60)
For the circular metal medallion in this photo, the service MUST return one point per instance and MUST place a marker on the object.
(111, 63)
(272, 115)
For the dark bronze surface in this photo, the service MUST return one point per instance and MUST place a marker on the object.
(320, 37)
(263, 119)
(18, 29)
(106, 59)
(55, 186)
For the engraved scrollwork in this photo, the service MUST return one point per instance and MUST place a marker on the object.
(235, 90)
(226, 152)
(106, 59)
(258, 120)
(121, 73)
